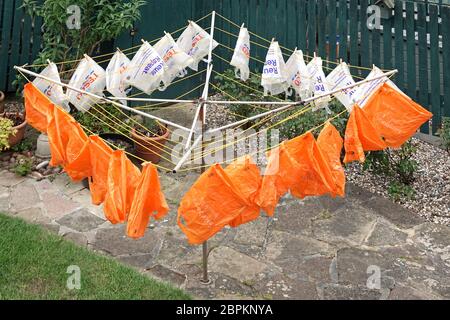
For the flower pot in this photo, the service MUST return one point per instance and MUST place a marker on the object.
(20, 129)
(149, 148)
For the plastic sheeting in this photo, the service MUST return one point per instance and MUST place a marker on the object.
(341, 77)
(123, 178)
(53, 91)
(314, 68)
(212, 203)
(149, 202)
(146, 69)
(175, 59)
(274, 76)
(360, 136)
(302, 168)
(115, 75)
(247, 178)
(298, 77)
(330, 143)
(89, 77)
(195, 42)
(36, 107)
(241, 55)
(394, 115)
(100, 154)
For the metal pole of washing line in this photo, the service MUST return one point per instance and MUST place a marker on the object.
(152, 100)
(304, 102)
(101, 98)
(205, 278)
(187, 153)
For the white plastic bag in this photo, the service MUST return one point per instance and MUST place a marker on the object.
(274, 75)
(314, 68)
(174, 58)
(53, 91)
(298, 77)
(195, 42)
(146, 69)
(241, 55)
(115, 72)
(90, 77)
(365, 91)
(341, 77)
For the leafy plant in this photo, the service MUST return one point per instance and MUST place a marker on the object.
(311, 119)
(150, 128)
(397, 166)
(444, 133)
(105, 118)
(228, 86)
(398, 191)
(23, 166)
(6, 129)
(24, 145)
(99, 21)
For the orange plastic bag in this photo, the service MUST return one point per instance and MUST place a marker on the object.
(245, 175)
(149, 202)
(395, 115)
(331, 143)
(273, 186)
(211, 204)
(297, 165)
(100, 154)
(37, 106)
(360, 136)
(61, 127)
(311, 170)
(123, 178)
(78, 155)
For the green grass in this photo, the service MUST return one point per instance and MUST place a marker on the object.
(34, 262)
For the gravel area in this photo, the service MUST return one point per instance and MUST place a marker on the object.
(432, 184)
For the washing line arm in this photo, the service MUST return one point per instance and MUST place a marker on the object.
(303, 102)
(120, 105)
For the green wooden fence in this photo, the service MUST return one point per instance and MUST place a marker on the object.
(20, 40)
(416, 40)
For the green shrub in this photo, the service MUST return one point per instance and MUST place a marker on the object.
(23, 166)
(399, 191)
(397, 166)
(98, 121)
(24, 145)
(313, 118)
(244, 92)
(6, 128)
(444, 133)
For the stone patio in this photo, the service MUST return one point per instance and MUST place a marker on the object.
(319, 248)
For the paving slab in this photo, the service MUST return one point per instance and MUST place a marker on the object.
(9, 179)
(24, 196)
(57, 205)
(81, 220)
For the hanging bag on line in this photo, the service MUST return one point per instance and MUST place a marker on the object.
(274, 75)
(194, 41)
(365, 91)
(174, 58)
(314, 68)
(148, 202)
(146, 69)
(115, 80)
(341, 77)
(53, 91)
(241, 55)
(89, 77)
(37, 106)
(123, 178)
(298, 77)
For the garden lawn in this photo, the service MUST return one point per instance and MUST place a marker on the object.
(34, 262)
